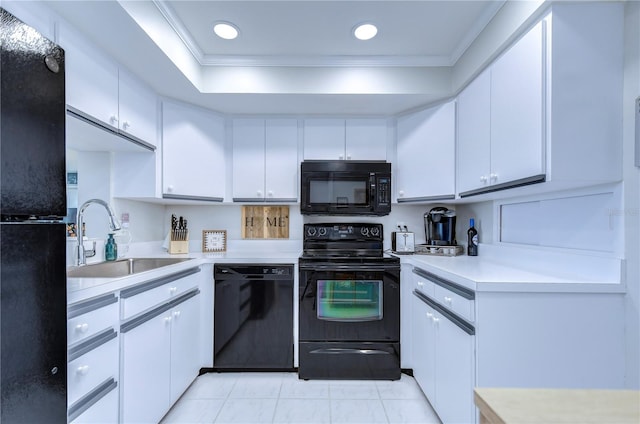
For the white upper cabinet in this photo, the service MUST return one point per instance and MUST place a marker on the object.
(340, 139)
(366, 139)
(281, 160)
(425, 167)
(102, 92)
(516, 111)
(138, 108)
(474, 134)
(265, 160)
(193, 159)
(531, 116)
(500, 121)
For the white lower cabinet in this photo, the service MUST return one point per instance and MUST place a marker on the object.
(93, 362)
(185, 328)
(103, 411)
(146, 360)
(464, 338)
(443, 364)
(159, 356)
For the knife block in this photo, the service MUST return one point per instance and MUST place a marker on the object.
(179, 246)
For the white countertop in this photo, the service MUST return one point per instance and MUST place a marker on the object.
(556, 272)
(494, 270)
(83, 288)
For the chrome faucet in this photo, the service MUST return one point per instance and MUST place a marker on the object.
(113, 224)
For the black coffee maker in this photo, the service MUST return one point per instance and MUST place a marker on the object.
(440, 227)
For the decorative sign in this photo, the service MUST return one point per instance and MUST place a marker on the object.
(265, 222)
(214, 240)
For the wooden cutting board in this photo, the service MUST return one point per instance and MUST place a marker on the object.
(265, 222)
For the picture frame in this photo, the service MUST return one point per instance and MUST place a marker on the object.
(214, 240)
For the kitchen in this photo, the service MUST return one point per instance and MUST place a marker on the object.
(138, 183)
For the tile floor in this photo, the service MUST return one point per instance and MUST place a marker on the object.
(283, 398)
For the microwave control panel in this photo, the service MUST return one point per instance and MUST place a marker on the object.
(384, 191)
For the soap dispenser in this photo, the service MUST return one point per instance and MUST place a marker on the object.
(111, 249)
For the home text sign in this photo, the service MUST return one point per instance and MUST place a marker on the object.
(265, 222)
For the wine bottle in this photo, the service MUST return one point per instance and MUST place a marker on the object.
(472, 239)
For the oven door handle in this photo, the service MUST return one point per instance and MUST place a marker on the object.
(341, 351)
(350, 267)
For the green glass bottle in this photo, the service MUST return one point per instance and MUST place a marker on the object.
(110, 249)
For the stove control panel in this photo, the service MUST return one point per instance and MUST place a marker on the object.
(351, 231)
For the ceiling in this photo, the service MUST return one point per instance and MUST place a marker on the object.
(291, 57)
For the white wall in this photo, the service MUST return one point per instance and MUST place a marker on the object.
(631, 210)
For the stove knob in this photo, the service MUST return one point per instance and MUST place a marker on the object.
(311, 231)
(322, 231)
(364, 231)
(375, 231)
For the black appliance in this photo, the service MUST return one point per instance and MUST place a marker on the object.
(345, 187)
(253, 317)
(440, 227)
(33, 310)
(349, 312)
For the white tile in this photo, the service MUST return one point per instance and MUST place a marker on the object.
(301, 389)
(299, 411)
(211, 386)
(405, 388)
(357, 411)
(248, 411)
(254, 386)
(193, 411)
(410, 411)
(353, 390)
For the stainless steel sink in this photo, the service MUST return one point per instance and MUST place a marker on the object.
(121, 268)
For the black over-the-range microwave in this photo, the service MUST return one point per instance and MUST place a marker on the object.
(345, 187)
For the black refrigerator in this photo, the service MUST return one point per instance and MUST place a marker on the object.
(33, 357)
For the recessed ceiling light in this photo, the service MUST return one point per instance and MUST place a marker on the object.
(365, 31)
(225, 30)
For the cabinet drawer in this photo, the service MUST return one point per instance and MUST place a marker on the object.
(149, 294)
(422, 283)
(90, 317)
(88, 370)
(455, 302)
(103, 411)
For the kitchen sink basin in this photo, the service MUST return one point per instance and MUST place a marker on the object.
(121, 268)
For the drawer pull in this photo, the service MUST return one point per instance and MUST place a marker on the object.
(420, 283)
(448, 300)
(83, 369)
(173, 290)
(82, 328)
(167, 319)
(176, 314)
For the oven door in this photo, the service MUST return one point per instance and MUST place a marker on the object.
(349, 303)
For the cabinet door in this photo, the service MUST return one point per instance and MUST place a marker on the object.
(424, 360)
(145, 368)
(282, 160)
(366, 139)
(517, 111)
(324, 139)
(426, 154)
(248, 159)
(474, 134)
(455, 372)
(137, 108)
(193, 160)
(92, 79)
(185, 346)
